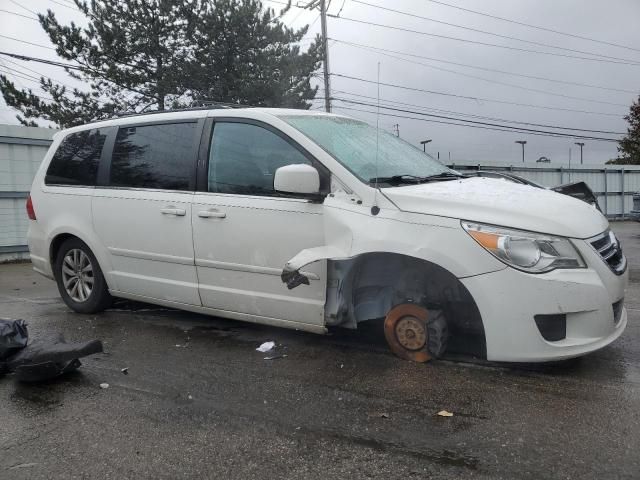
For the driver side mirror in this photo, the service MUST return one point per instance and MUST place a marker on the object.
(301, 179)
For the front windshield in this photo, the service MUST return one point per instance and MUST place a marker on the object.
(353, 144)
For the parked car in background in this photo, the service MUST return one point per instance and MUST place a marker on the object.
(313, 221)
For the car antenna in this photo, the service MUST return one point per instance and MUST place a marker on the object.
(375, 209)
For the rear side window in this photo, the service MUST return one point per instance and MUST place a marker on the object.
(76, 159)
(154, 156)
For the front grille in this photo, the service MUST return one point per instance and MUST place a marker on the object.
(609, 248)
(617, 311)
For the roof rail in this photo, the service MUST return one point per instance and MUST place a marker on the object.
(154, 112)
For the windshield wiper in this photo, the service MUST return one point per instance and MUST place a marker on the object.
(442, 176)
(413, 179)
(396, 179)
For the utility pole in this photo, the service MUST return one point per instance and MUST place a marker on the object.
(325, 48)
(580, 144)
(396, 129)
(523, 143)
(424, 146)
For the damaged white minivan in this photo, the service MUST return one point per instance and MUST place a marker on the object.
(312, 221)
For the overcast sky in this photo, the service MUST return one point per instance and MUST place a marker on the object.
(614, 21)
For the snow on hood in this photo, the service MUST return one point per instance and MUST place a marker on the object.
(501, 202)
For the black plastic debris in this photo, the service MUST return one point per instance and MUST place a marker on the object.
(13, 337)
(293, 278)
(42, 359)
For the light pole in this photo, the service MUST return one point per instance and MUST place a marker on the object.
(424, 145)
(580, 144)
(523, 143)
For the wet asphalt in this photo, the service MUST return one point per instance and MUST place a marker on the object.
(200, 402)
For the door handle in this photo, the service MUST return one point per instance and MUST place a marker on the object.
(212, 213)
(178, 212)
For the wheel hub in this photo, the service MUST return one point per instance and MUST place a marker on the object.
(405, 328)
(411, 333)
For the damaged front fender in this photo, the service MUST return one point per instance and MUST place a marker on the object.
(292, 274)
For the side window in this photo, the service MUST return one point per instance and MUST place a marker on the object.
(243, 158)
(76, 159)
(154, 156)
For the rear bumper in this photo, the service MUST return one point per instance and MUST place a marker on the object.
(39, 250)
(509, 300)
(635, 215)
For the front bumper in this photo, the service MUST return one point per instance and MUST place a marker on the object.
(509, 300)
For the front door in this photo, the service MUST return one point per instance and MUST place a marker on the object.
(244, 232)
(142, 211)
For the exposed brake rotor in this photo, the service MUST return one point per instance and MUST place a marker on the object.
(405, 328)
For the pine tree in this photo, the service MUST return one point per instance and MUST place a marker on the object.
(244, 55)
(629, 146)
(138, 55)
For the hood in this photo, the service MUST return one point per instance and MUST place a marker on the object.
(503, 203)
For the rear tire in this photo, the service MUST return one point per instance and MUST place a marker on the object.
(80, 280)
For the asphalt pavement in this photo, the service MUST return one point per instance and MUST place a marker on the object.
(200, 402)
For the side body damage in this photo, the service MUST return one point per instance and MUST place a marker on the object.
(366, 285)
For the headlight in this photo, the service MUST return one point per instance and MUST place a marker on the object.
(531, 252)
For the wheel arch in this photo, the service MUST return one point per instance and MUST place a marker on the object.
(60, 236)
(367, 286)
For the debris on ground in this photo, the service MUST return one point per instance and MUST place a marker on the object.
(104, 385)
(275, 357)
(266, 347)
(42, 359)
(13, 337)
(444, 413)
(384, 415)
(125, 370)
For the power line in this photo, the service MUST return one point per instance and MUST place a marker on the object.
(557, 135)
(476, 99)
(498, 82)
(540, 44)
(476, 42)
(29, 78)
(23, 7)
(42, 60)
(23, 76)
(65, 6)
(37, 73)
(515, 22)
(28, 43)
(393, 102)
(18, 14)
(370, 47)
(476, 122)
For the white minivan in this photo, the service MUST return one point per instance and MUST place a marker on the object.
(311, 221)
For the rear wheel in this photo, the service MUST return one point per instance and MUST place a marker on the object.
(415, 333)
(79, 277)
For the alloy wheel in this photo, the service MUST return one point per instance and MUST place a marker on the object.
(77, 275)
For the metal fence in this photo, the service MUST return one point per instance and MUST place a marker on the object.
(614, 185)
(23, 148)
(21, 151)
